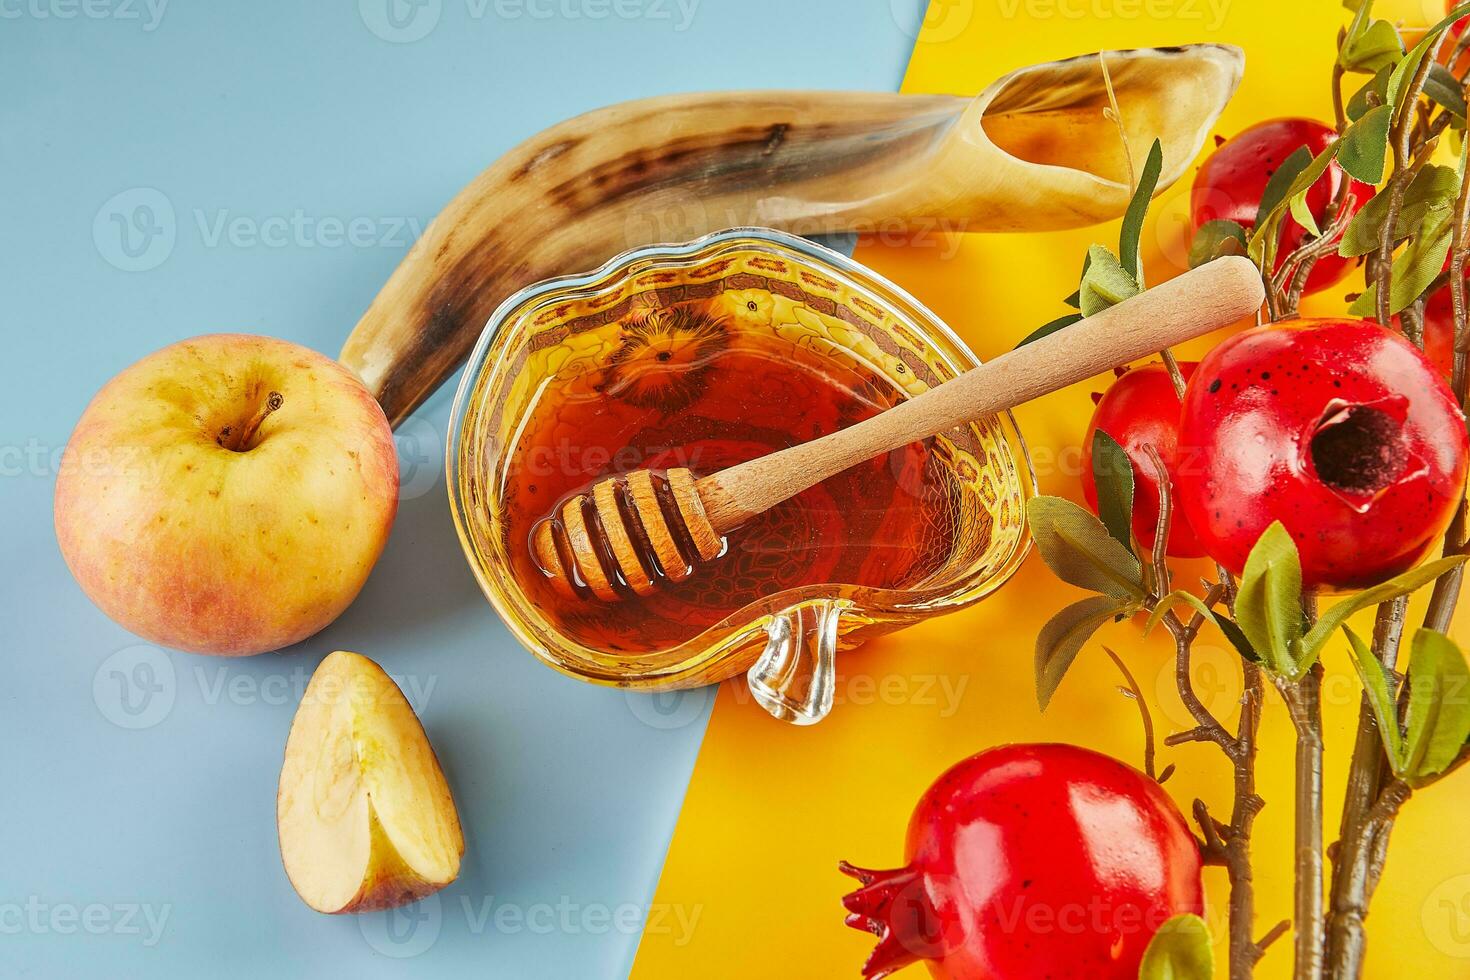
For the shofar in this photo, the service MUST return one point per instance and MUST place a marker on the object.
(1033, 151)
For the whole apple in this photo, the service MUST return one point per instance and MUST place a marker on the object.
(228, 494)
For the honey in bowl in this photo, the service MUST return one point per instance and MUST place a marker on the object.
(704, 355)
(705, 384)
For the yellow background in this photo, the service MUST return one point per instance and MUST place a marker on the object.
(771, 809)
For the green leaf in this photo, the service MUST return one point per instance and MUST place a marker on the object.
(1268, 605)
(1214, 239)
(1112, 472)
(1432, 190)
(1378, 685)
(1359, 104)
(1444, 88)
(1280, 181)
(1297, 193)
(1061, 639)
(1048, 329)
(1106, 283)
(1365, 145)
(1227, 626)
(1180, 950)
(1400, 585)
(1128, 239)
(1079, 550)
(1406, 68)
(1162, 607)
(1075, 300)
(1274, 200)
(1413, 269)
(1238, 639)
(1439, 706)
(1377, 47)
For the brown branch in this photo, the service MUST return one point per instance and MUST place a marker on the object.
(1350, 904)
(1289, 281)
(1228, 845)
(1160, 551)
(1406, 165)
(1213, 846)
(1339, 112)
(1273, 934)
(1373, 799)
(1133, 691)
(1245, 952)
(1304, 705)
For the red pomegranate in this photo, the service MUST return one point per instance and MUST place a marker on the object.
(1030, 861)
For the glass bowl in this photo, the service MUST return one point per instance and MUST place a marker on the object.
(554, 332)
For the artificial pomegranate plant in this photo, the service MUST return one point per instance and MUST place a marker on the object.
(1320, 463)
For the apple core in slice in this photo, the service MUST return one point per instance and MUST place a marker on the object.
(365, 817)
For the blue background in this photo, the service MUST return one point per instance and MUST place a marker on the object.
(139, 782)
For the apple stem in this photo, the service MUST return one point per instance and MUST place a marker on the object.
(240, 441)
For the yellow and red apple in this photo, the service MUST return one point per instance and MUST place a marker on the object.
(227, 494)
(364, 815)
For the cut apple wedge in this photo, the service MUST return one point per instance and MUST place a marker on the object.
(363, 811)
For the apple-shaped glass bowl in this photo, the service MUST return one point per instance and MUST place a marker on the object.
(772, 288)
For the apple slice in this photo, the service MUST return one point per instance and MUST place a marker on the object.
(363, 811)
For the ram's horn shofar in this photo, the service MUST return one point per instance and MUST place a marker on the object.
(1033, 151)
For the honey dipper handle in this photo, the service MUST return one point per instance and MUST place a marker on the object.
(1204, 299)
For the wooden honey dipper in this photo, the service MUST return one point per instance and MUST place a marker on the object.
(630, 530)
